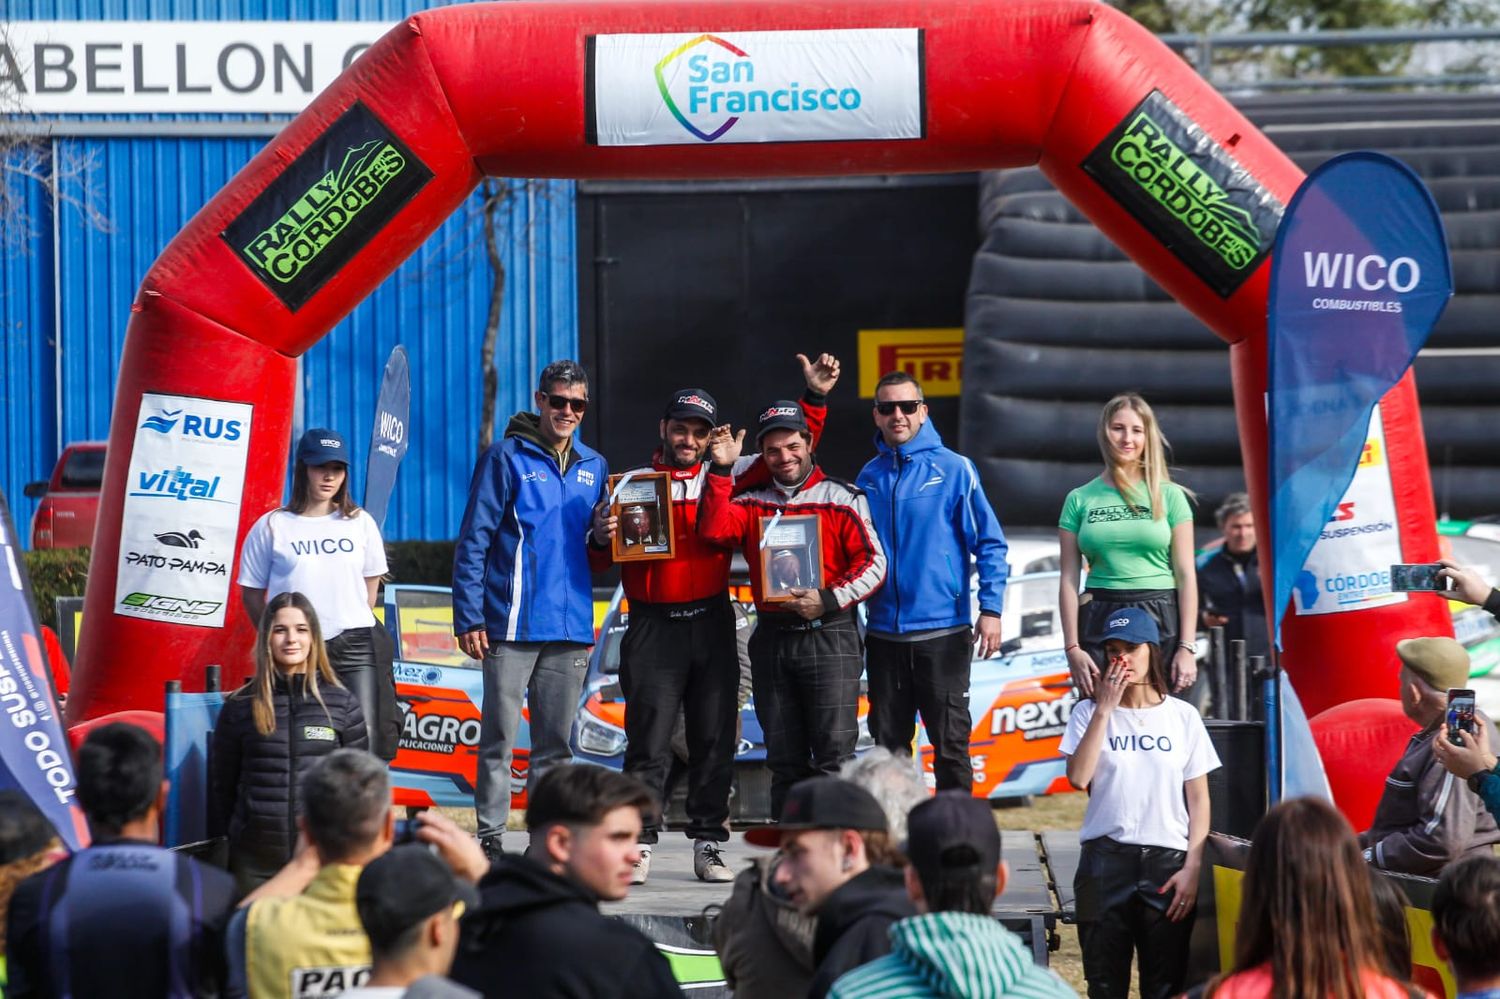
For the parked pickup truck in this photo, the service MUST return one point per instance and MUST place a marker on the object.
(70, 499)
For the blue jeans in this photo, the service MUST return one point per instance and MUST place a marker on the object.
(548, 677)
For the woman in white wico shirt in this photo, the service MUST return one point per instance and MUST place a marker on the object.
(1144, 758)
(322, 545)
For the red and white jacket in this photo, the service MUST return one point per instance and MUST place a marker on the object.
(700, 568)
(853, 561)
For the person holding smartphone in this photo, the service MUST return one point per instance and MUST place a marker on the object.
(1469, 757)
(1144, 758)
(1427, 818)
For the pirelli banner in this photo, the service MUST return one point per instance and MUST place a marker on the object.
(1219, 894)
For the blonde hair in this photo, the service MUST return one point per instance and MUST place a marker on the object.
(1153, 462)
(317, 667)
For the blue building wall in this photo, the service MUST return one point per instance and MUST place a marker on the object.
(65, 293)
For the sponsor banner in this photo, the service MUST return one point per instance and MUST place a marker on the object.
(755, 86)
(177, 67)
(1349, 568)
(388, 438)
(934, 357)
(326, 205)
(1220, 892)
(182, 509)
(34, 755)
(1188, 192)
(1359, 276)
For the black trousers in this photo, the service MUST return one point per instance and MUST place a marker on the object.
(806, 681)
(931, 677)
(1120, 916)
(683, 659)
(362, 658)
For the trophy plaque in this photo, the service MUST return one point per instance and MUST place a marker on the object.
(642, 504)
(789, 555)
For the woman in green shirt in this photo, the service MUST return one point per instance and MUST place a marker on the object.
(1134, 526)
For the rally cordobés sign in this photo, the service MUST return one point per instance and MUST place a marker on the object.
(1188, 192)
(326, 205)
(755, 86)
(177, 67)
(182, 509)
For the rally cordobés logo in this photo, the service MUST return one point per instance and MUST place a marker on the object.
(330, 201)
(1187, 191)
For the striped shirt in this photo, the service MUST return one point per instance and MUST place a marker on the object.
(951, 954)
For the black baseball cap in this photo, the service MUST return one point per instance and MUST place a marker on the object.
(822, 803)
(404, 886)
(321, 446)
(692, 404)
(783, 414)
(952, 835)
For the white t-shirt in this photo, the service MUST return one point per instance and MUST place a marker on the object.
(1148, 754)
(326, 559)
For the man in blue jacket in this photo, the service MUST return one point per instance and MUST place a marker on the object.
(522, 594)
(931, 515)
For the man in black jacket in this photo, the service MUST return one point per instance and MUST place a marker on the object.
(836, 853)
(538, 930)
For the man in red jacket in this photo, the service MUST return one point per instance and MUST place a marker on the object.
(805, 655)
(679, 655)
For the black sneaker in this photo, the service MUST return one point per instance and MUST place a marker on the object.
(491, 846)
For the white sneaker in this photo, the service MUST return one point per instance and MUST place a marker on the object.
(642, 868)
(708, 862)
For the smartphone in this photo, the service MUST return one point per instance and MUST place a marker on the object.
(406, 829)
(1460, 713)
(1418, 577)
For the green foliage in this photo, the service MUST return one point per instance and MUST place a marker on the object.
(420, 563)
(55, 572)
(1299, 62)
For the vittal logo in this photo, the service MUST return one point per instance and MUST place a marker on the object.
(178, 484)
(721, 87)
(327, 204)
(1188, 192)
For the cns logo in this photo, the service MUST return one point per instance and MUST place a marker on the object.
(191, 425)
(721, 87)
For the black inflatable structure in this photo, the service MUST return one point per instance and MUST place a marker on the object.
(1058, 319)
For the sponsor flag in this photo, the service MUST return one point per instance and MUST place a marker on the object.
(388, 439)
(1359, 276)
(34, 756)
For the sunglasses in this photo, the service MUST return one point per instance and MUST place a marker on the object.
(563, 402)
(907, 406)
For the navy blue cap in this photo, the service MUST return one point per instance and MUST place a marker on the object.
(320, 446)
(783, 414)
(1129, 624)
(692, 404)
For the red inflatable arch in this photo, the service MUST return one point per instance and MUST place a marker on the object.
(1156, 158)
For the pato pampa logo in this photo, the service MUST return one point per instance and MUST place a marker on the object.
(709, 84)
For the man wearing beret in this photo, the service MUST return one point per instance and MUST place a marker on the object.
(1428, 818)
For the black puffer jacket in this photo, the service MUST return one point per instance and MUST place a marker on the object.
(253, 778)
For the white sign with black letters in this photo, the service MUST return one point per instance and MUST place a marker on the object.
(173, 67)
(182, 509)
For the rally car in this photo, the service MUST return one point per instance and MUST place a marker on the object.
(1020, 703)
